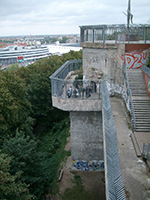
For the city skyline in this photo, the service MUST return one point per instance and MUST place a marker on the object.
(46, 17)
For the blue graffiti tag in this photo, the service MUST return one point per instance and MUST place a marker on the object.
(87, 166)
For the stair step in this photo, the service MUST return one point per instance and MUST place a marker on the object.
(141, 110)
(142, 124)
(144, 118)
(141, 106)
(141, 130)
(143, 121)
(141, 102)
(135, 86)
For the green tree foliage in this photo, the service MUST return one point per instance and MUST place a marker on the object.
(11, 188)
(14, 106)
(13, 67)
(64, 40)
(52, 143)
(25, 96)
(77, 192)
(27, 159)
(148, 62)
(53, 40)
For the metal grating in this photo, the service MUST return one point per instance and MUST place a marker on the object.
(113, 174)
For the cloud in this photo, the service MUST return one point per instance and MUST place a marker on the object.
(57, 16)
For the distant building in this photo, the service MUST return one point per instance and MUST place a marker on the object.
(18, 54)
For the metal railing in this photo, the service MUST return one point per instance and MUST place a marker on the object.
(58, 77)
(113, 174)
(116, 33)
(129, 93)
(64, 84)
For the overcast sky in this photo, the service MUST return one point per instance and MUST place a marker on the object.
(41, 17)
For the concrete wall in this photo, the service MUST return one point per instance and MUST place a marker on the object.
(136, 47)
(87, 139)
(77, 104)
(104, 57)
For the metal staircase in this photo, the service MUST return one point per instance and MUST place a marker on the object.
(141, 101)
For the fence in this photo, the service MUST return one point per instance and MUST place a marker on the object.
(113, 174)
(57, 78)
(117, 33)
(64, 84)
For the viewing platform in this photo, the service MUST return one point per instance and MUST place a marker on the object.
(113, 34)
(83, 87)
(71, 94)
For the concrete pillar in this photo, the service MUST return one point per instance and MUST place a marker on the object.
(87, 141)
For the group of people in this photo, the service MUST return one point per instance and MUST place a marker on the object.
(80, 91)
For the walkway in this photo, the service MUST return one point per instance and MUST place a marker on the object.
(135, 177)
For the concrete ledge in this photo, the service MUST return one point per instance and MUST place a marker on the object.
(77, 104)
(99, 45)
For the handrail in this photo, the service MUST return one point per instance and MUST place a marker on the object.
(63, 86)
(70, 65)
(115, 33)
(129, 93)
(57, 78)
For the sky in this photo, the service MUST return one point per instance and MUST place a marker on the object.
(47, 17)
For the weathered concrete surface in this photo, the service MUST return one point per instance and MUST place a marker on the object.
(86, 136)
(135, 177)
(99, 45)
(104, 57)
(142, 137)
(77, 104)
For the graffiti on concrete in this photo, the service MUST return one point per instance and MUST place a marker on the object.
(81, 165)
(137, 59)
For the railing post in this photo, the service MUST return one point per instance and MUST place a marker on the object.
(99, 89)
(145, 34)
(81, 34)
(143, 147)
(93, 35)
(86, 35)
(103, 35)
(128, 34)
(116, 36)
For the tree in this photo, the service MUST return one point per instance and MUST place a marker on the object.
(26, 159)
(14, 106)
(148, 62)
(64, 40)
(12, 67)
(11, 188)
(53, 40)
